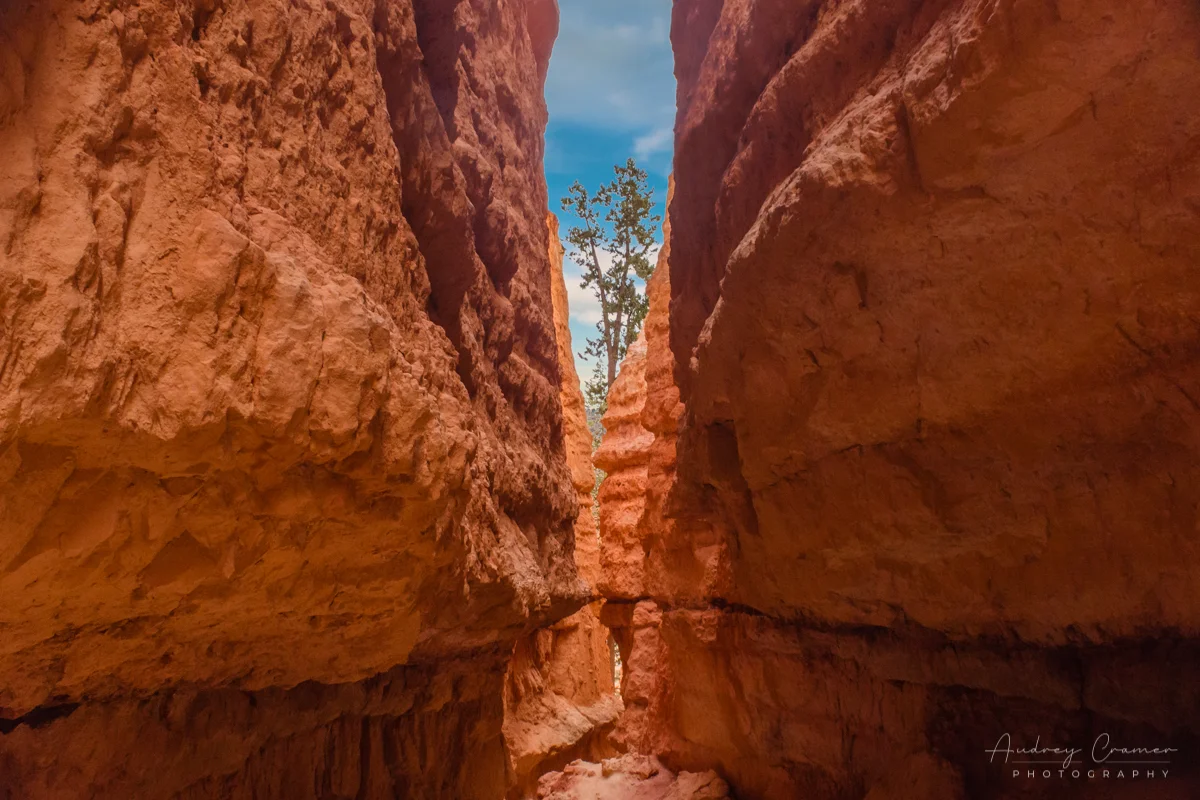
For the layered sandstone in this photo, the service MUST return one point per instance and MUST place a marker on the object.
(279, 399)
(645, 551)
(621, 456)
(934, 323)
(577, 437)
(560, 701)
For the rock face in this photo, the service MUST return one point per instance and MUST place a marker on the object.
(622, 456)
(965, 235)
(406, 733)
(644, 552)
(630, 777)
(934, 320)
(279, 395)
(560, 701)
(576, 435)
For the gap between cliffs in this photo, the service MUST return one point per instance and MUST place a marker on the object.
(577, 699)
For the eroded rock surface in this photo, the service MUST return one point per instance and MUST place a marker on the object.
(630, 777)
(934, 321)
(279, 394)
(560, 701)
(951, 357)
(405, 733)
(622, 456)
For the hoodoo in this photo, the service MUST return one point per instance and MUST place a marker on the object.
(902, 471)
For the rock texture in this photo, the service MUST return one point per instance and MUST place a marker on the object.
(279, 394)
(560, 699)
(934, 322)
(577, 437)
(644, 551)
(630, 777)
(561, 703)
(645, 690)
(967, 233)
(622, 456)
(406, 733)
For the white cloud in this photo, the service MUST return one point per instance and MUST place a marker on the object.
(584, 305)
(653, 252)
(612, 66)
(659, 140)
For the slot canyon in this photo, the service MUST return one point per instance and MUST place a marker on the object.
(297, 484)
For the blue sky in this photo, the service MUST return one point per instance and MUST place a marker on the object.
(611, 94)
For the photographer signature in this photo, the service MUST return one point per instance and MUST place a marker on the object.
(1103, 751)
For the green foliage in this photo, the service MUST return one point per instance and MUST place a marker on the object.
(595, 390)
(617, 220)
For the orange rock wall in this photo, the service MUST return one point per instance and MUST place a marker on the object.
(951, 354)
(622, 456)
(646, 551)
(576, 434)
(560, 702)
(933, 319)
(279, 395)
(404, 733)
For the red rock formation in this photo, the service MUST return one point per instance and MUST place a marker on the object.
(560, 702)
(279, 395)
(630, 777)
(645, 691)
(934, 321)
(576, 434)
(622, 496)
(644, 552)
(919, 270)
(560, 699)
(406, 733)
(904, 461)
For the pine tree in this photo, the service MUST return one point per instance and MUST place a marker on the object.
(617, 220)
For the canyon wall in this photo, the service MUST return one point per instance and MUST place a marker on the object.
(934, 321)
(560, 699)
(283, 467)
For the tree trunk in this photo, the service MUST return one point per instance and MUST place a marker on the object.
(612, 363)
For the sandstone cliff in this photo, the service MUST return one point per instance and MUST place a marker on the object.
(622, 456)
(279, 395)
(643, 551)
(934, 322)
(560, 701)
